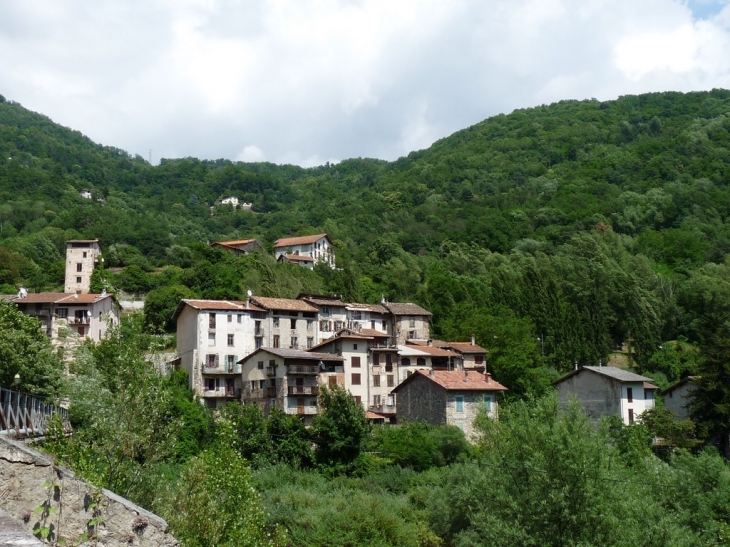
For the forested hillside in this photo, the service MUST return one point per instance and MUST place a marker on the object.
(552, 233)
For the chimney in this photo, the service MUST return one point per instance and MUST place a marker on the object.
(488, 377)
(429, 343)
(575, 365)
(466, 375)
(430, 372)
(473, 340)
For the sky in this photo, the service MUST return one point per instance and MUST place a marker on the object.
(311, 81)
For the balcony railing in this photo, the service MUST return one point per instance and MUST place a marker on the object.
(271, 370)
(303, 369)
(303, 390)
(222, 393)
(301, 410)
(259, 333)
(79, 320)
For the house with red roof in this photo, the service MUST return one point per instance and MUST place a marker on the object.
(239, 247)
(306, 251)
(448, 397)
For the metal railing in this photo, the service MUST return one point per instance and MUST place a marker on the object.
(26, 415)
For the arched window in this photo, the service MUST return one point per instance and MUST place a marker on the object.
(405, 362)
(421, 362)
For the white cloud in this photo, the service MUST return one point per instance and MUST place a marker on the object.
(312, 79)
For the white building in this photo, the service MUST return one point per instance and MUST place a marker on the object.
(68, 318)
(212, 336)
(230, 201)
(289, 324)
(607, 391)
(332, 313)
(307, 251)
(82, 256)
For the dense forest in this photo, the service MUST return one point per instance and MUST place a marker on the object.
(554, 234)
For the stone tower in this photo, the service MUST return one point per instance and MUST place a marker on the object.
(82, 256)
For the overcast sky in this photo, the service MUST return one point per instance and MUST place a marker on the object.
(309, 81)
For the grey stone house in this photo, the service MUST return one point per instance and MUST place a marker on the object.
(607, 391)
(447, 397)
(677, 396)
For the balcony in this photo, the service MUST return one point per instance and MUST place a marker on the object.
(85, 320)
(301, 410)
(271, 370)
(383, 409)
(303, 369)
(222, 393)
(258, 333)
(303, 390)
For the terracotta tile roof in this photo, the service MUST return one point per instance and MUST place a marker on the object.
(374, 333)
(464, 347)
(235, 242)
(304, 240)
(374, 416)
(457, 380)
(215, 305)
(406, 308)
(649, 386)
(436, 352)
(321, 300)
(61, 298)
(339, 336)
(282, 304)
(82, 241)
(297, 258)
(376, 308)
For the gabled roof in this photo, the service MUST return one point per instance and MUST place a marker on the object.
(423, 351)
(455, 380)
(405, 308)
(282, 304)
(236, 243)
(296, 258)
(680, 383)
(69, 299)
(464, 347)
(82, 241)
(215, 305)
(375, 308)
(303, 240)
(614, 373)
(321, 300)
(339, 335)
(296, 354)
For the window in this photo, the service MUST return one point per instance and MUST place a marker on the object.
(211, 320)
(310, 324)
(405, 362)
(240, 317)
(325, 311)
(488, 403)
(372, 325)
(376, 400)
(257, 329)
(84, 254)
(354, 346)
(79, 267)
(230, 338)
(376, 380)
(78, 280)
(276, 322)
(293, 324)
(211, 339)
(391, 380)
(339, 325)
(262, 383)
(258, 342)
(356, 379)
(294, 342)
(81, 331)
(355, 362)
(459, 403)
(211, 384)
(254, 383)
(260, 365)
(412, 323)
(62, 313)
(230, 318)
(230, 361)
(212, 360)
(356, 315)
(276, 341)
(310, 342)
(631, 415)
(358, 399)
(630, 394)
(479, 359)
(421, 362)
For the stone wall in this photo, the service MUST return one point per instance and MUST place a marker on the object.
(29, 479)
(421, 400)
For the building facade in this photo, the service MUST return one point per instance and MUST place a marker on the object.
(82, 256)
(316, 248)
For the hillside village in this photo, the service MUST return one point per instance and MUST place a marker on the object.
(278, 352)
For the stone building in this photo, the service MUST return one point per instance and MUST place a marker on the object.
(607, 391)
(82, 256)
(239, 247)
(677, 397)
(409, 321)
(443, 397)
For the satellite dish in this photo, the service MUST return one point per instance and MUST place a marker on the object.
(88, 313)
(249, 293)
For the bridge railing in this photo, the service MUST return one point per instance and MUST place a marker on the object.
(26, 415)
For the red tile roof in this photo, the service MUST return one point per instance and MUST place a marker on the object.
(282, 304)
(434, 352)
(406, 308)
(215, 305)
(304, 240)
(297, 258)
(464, 347)
(61, 298)
(457, 380)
